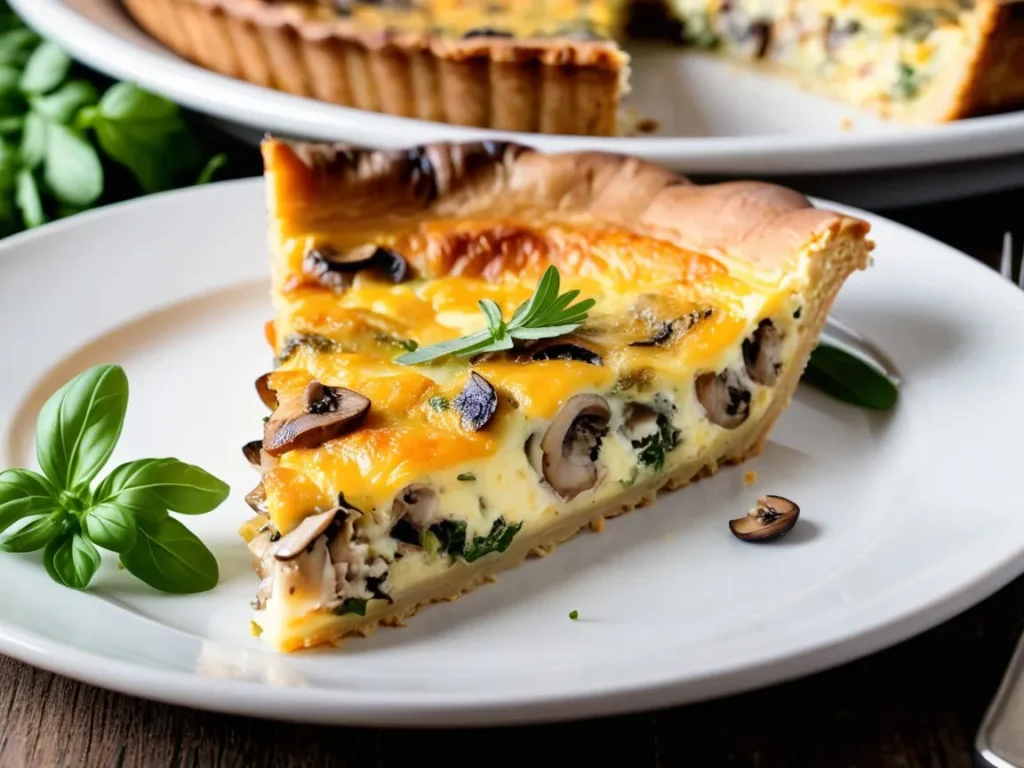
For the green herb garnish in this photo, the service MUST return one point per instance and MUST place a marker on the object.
(451, 536)
(498, 540)
(351, 605)
(71, 139)
(438, 403)
(908, 82)
(128, 512)
(849, 378)
(653, 448)
(546, 314)
(467, 477)
(574, 615)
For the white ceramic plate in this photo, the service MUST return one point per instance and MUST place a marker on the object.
(715, 118)
(908, 517)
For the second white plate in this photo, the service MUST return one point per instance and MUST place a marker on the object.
(715, 118)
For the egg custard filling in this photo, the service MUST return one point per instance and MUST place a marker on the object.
(394, 472)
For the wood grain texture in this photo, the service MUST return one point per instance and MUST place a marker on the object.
(917, 705)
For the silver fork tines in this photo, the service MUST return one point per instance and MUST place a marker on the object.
(1006, 262)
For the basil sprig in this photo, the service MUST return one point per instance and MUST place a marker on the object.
(67, 515)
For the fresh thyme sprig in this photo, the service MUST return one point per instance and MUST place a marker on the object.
(544, 315)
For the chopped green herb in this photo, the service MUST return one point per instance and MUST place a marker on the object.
(653, 448)
(546, 314)
(451, 536)
(467, 477)
(351, 605)
(908, 83)
(498, 540)
(629, 481)
(574, 615)
(430, 543)
(438, 403)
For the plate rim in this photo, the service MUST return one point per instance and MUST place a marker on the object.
(476, 709)
(228, 98)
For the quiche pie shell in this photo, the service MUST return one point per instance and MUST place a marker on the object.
(762, 231)
(530, 85)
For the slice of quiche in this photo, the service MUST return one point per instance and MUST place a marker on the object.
(606, 330)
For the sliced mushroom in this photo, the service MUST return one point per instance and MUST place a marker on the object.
(335, 269)
(267, 395)
(253, 451)
(774, 516)
(665, 331)
(639, 421)
(571, 444)
(315, 341)
(561, 349)
(295, 542)
(477, 402)
(417, 503)
(725, 398)
(320, 414)
(257, 499)
(762, 354)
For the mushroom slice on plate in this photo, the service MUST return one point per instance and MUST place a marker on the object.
(571, 444)
(320, 414)
(773, 516)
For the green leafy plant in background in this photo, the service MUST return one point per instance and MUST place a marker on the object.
(71, 140)
(67, 515)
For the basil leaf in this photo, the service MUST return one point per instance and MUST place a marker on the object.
(9, 79)
(9, 125)
(111, 527)
(73, 171)
(45, 69)
(63, 104)
(128, 102)
(10, 163)
(167, 484)
(27, 198)
(24, 493)
(36, 534)
(16, 46)
(33, 140)
(849, 379)
(71, 560)
(169, 557)
(79, 426)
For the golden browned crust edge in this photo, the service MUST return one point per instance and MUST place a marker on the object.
(766, 226)
(314, 186)
(547, 86)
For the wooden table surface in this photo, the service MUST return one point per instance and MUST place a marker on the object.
(917, 704)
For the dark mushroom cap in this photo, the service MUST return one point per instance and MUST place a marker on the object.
(762, 354)
(571, 443)
(335, 269)
(267, 395)
(477, 402)
(774, 516)
(320, 414)
(253, 452)
(725, 398)
(561, 349)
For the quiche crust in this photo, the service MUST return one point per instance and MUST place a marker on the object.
(768, 237)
